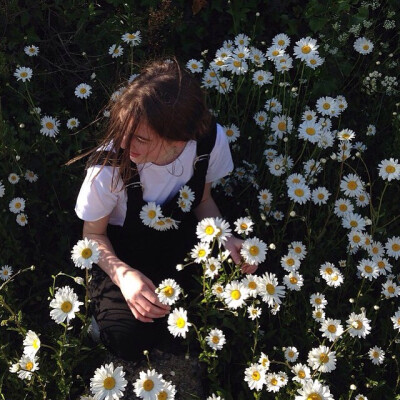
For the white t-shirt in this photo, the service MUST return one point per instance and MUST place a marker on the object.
(97, 199)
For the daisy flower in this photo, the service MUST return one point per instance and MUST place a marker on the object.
(167, 392)
(318, 300)
(194, 66)
(232, 132)
(334, 279)
(31, 344)
(186, 193)
(253, 251)
(236, 65)
(293, 281)
(206, 230)
(358, 325)
(148, 385)
(21, 219)
(360, 397)
(320, 195)
(363, 199)
(260, 118)
(72, 123)
(273, 105)
(389, 169)
(291, 354)
(272, 381)
(346, 135)
(383, 264)
(224, 85)
(23, 74)
(216, 339)
(49, 126)
(235, 294)
(31, 50)
(241, 52)
(302, 373)
(368, 269)
(353, 221)
(322, 359)
(83, 91)
(5, 272)
(244, 225)
(250, 282)
(376, 355)
(132, 39)
(264, 361)
(150, 213)
(299, 193)
(313, 389)
(331, 329)
(261, 78)
(390, 289)
(270, 292)
(17, 205)
(295, 179)
(108, 383)
(257, 57)
(212, 266)
(376, 249)
(282, 40)
(274, 51)
(343, 207)
(298, 249)
(305, 48)
(218, 290)
(318, 314)
(325, 105)
(242, 40)
(30, 176)
(168, 291)
(312, 168)
(254, 312)
(255, 377)
(281, 124)
(65, 304)
(396, 320)
(27, 365)
(200, 252)
(115, 51)
(178, 324)
(392, 247)
(264, 196)
(290, 262)
(363, 45)
(223, 230)
(371, 130)
(309, 131)
(314, 61)
(85, 253)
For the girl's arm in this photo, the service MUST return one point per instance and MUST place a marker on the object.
(208, 208)
(137, 289)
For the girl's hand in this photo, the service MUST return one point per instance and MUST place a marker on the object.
(234, 244)
(139, 293)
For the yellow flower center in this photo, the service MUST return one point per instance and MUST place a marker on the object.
(220, 63)
(215, 339)
(261, 118)
(299, 192)
(254, 250)
(309, 117)
(301, 374)
(131, 36)
(323, 358)
(328, 270)
(318, 300)
(375, 354)
(375, 250)
(260, 78)
(282, 126)
(368, 269)
(219, 289)
(365, 47)
(361, 197)
(29, 365)
(202, 253)
(252, 285)
(335, 277)
(151, 214)
(310, 131)
(86, 253)
(229, 132)
(256, 376)
(180, 322)
(18, 205)
(212, 267)
(381, 264)
(195, 66)
(320, 196)
(162, 395)
(237, 64)
(275, 53)
(291, 354)
(49, 125)
(213, 74)
(306, 49)
(391, 289)
(274, 382)
(169, 291)
(326, 106)
(352, 185)
(223, 85)
(314, 396)
(318, 314)
(35, 344)
(396, 247)
(343, 207)
(356, 239)
(313, 61)
(83, 90)
(293, 280)
(209, 230)
(270, 288)
(31, 50)
(235, 294)
(148, 385)
(358, 324)
(109, 383)
(241, 55)
(390, 169)
(281, 42)
(243, 226)
(332, 328)
(66, 307)
(24, 74)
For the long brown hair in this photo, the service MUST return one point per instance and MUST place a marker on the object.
(164, 95)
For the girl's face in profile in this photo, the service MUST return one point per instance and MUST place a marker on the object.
(147, 146)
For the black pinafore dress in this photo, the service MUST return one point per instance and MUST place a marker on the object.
(155, 254)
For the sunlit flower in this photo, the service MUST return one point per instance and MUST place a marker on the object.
(212, 266)
(346, 135)
(31, 50)
(83, 91)
(270, 292)
(302, 373)
(194, 66)
(273, 382)
(31, 344)
(358, 325)
(313, 390)
(133, 38)
(148, 385)
(396, 320)
(167, 392)
(200, 252)
(23, 74)
(253, 251)
(251, 283)
(85, 253)
(5, 272)
(254, 375)
(392, 247)
(168, 291)
(216, 339)
(65, 304)
(390, 289)
(318, 314)
(293, 281)
(376, 355)
(27, 365)
(178, 324)
(331, 329)
(244, 225)
(290, 262)
(318, 300)
(363, 46)
(206, 230)
(17, 205)
(291, 354)
(389, 169)
(115, 51)
(235, 294)
(322, 359)
(108, 383)
(150, 213)
(254, 312)
(72, 123)
(49, 126)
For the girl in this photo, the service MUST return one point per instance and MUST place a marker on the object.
(162, 148)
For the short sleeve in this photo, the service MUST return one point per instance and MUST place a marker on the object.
(97, 199)
(220, 163)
